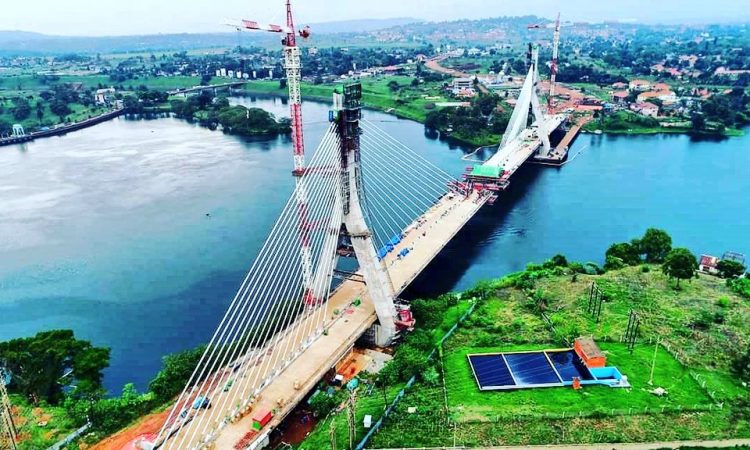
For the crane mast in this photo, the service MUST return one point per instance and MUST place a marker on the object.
(553, 66)
(293, 69)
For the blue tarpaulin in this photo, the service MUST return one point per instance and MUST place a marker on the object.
(395, 240)
(403, 252)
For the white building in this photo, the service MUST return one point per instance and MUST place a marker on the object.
(104, 96)
(462, 84)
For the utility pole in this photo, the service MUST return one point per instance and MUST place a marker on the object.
(8, 430)
(653, 362)
(332, 433)
(351, 418)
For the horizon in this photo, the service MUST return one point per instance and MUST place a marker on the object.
(86, 18)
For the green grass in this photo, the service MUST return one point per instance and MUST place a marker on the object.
(695, 371)
(32, 435)
(408, 101)
(372, 404)
(470, 404)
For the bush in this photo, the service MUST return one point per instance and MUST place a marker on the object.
(560, 260)
(740, 286)
(730, 269)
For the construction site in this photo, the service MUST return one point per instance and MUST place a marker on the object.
(299, 319)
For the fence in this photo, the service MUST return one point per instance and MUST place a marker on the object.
(376, 426)
(71, 437)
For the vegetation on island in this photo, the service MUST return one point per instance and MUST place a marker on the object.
(483, 122)
(215, 112)
(693, 334)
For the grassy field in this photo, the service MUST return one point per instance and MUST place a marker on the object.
(700, 329)
(408, 101)
(39, 427)
(470, 404)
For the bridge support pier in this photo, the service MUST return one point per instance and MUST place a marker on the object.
(379, 285)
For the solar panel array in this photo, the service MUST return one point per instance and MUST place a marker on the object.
(518, 370)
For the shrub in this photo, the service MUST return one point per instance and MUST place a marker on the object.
(560, 260)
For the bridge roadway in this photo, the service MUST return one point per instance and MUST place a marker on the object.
(517, 151)
(425, 238)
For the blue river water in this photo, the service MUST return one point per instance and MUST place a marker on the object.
(136, 233)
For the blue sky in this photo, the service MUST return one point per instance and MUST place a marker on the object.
(118, 17)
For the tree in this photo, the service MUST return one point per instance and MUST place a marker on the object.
(60, 108)
(176, 372)
(698, 121)
(680, 263)
(730, 269)
(21, 108)
(655, 244)
(627, 252)
(39, 363)
(393, 85)
(560, 260)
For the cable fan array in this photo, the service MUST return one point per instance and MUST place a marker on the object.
(273, 315)
(399, 184)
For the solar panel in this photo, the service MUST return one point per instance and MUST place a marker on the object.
(568, 364)
(491, 372)
(532, 369)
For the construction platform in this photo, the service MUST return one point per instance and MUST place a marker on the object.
(558, 155)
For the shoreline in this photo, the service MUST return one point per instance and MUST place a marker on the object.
(64, 129)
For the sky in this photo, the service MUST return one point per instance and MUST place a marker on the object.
(126, 17)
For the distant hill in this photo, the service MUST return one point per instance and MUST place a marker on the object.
(28, 43)
(15, 35)
(363, 25)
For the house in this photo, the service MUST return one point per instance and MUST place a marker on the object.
(708, 264)
(690, 59)
(661, 87)
(639, 85)
(620, 97)
(664, 96)
(645, 108)
(104, 96)
(465, 92)
(620, 85)
(460, 84)
(723, 71)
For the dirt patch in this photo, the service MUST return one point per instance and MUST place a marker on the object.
(147, 425)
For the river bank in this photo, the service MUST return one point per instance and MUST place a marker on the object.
(61, 130)
(380, 100)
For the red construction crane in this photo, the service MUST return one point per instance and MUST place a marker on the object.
(293, 66)
(555, 51)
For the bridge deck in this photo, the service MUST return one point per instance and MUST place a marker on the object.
(517, 151)
(425, 238)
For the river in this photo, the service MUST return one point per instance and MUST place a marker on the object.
(136, 233)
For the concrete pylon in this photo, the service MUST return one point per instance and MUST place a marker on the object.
(378, 282)
(528, 102)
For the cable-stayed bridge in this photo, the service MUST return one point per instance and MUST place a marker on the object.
(363, 195)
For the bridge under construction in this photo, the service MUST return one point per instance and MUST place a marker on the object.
(289, 322)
